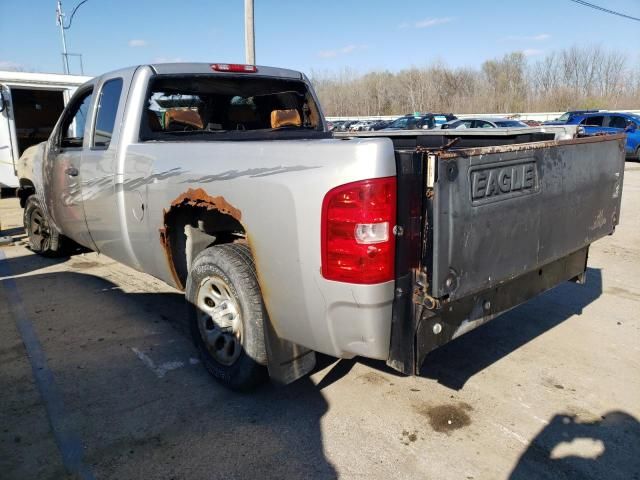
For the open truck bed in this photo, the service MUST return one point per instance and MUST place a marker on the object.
(488, 219)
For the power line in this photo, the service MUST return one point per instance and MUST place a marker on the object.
(606, 10)
(73, 13)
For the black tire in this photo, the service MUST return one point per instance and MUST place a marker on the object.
(233, 265)
(43, 238)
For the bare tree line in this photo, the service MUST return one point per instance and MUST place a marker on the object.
(574, 78)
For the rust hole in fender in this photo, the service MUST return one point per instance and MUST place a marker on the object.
(197, 197)
(195, 207)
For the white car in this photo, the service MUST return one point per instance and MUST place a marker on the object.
(484, 123)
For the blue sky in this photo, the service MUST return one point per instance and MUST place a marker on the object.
(308, 35)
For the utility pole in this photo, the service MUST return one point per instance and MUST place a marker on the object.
(249, 34)
(60, 22)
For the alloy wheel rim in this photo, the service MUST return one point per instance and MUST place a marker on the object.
(39, 229)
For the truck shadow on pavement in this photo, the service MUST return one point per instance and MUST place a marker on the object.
(31, 263)
(456, 362)
(135, 394)
(568, 448)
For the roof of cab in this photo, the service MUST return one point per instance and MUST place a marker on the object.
(205, 68)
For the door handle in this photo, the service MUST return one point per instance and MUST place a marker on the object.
(72, 171)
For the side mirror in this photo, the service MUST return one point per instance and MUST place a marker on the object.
(632, 127)
(2, 101)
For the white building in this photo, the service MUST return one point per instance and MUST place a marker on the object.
(30, 105)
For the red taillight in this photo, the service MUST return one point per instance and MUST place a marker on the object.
(358, 245)
(234, 67)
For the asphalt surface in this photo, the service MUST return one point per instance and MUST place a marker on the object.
(98, 376)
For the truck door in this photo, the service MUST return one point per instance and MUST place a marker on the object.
(63, 182)
(8, 177)
(111, 222)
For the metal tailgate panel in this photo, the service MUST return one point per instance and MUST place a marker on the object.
(499, 212)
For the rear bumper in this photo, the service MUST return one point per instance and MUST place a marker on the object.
(412, 340)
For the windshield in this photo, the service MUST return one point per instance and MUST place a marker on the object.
(184, 105)
(564, 117)
(510, 123)
(403, 122)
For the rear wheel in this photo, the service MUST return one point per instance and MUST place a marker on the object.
(43, 238)
(227, 315)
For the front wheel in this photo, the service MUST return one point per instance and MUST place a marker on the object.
(227, 315)
(44, 239)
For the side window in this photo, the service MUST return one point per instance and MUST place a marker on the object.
(618, 122)
(106, 112)
(595, 121)
(72, 131)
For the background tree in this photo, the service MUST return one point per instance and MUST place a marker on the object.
(573, 78)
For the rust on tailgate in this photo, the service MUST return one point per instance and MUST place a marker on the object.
(520, 147)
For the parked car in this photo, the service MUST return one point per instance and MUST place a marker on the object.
(567, 117)
(379, 125)
(482, 122)
(415, 121)
(312, 243)
(360, 126)
(344, 126)
(613, 122)
(442, 118)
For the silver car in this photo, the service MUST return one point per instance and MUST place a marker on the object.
(481, 122)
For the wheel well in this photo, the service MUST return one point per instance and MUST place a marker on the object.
(25, 190)
(194, 222)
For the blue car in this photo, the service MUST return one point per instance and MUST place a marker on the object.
(612, 122)
(567, 117)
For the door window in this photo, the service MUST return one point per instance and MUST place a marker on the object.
(618, 122)
(106, 112)
(72, 129)
(595, 121)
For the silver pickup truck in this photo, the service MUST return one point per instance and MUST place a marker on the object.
(223, 181)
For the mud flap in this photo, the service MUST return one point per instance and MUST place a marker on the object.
(287, 361)
(197, 240)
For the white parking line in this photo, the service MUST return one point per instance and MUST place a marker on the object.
(162, 369)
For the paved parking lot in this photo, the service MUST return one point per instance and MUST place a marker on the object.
(97, 372)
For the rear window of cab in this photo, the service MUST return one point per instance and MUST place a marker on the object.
(222, 107)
